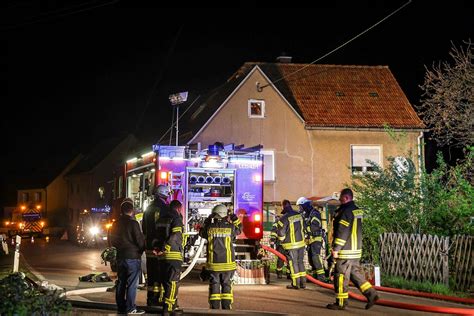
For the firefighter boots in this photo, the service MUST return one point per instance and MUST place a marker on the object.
(372, 298)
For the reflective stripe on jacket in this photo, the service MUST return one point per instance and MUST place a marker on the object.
(347, 228)
(290, 230)
(220, 234)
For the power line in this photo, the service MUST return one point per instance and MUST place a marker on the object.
(51, 14)
(340, 46)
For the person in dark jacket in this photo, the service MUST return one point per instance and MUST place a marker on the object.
(168, 247)
(150, 219)
(347, 250)
(291, 233)
(275, 242)
(127, 238)
(220, 229)
(314, 239)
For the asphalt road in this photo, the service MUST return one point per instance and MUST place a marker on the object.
(61, 263)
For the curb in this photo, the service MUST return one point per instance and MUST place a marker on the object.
(156, 309)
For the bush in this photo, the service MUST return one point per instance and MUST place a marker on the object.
(20, 297)
(401, 199)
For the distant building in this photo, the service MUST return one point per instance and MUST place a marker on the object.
(317, 123)
(91, 182)
(50, 199)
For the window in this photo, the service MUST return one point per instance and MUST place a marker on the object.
(268, 165)
(71, 189)
(360, 155)
(256, 108)
(120, 187)
(37, 196)
(25, 197)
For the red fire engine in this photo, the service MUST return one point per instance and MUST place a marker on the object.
(200, 179)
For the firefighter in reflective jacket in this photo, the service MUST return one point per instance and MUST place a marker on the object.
(346, 251)
(314, 239)
(275, 242)
(290, 232)
(220, 230)
(150, 217)
(168, 247)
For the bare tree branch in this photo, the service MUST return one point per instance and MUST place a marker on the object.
(448, 97)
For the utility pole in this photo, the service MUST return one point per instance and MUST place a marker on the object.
(176, 99)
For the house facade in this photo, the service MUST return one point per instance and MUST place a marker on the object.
(50, 200)
(90, 183)
(317, 123)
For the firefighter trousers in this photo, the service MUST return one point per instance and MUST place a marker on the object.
(154, 294)
(280, 263)
(297, 270)
(314, 258)
(171, 270)
(349, 269)
(220, 289)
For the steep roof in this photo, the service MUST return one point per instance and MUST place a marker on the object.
(323, 95)
(344, 96)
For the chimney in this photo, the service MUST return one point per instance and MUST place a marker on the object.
(283, 59)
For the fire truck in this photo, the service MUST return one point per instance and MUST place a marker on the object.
(201, 179)
(26, 220)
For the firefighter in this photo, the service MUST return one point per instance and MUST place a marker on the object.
(150, 218)
(276, 244)
(346, 251)
(314, 239)
(290, 231)
(168, 247)
(220, 229)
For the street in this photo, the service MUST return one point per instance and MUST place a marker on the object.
(61, 262)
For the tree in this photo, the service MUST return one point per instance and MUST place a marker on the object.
(447, 100)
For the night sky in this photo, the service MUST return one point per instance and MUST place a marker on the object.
(83, 71)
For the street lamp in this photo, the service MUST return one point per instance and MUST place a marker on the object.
(176, 99)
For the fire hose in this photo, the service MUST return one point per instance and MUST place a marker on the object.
(197, 254)
(424, 308)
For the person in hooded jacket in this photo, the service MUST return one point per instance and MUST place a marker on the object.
(220, 230)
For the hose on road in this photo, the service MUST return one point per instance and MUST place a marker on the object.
(424, 308)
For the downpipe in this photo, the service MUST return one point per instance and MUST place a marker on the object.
(389, 303)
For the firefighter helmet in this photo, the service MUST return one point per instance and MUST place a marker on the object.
(162, 191)
(220, 210)
(302, 200)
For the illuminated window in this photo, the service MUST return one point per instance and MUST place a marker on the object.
(268, 165)
(360, 155)
(256, 108)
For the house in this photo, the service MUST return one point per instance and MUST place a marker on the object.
(48, 195)
(317, 123)
(90, 183)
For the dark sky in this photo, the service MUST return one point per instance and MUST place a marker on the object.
(86, 70)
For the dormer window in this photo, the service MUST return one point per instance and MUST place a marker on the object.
(256, 108)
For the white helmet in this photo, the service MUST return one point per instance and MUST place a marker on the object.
(220, 210)
(162, 191)
(302, 200)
